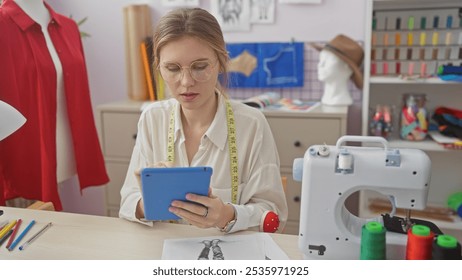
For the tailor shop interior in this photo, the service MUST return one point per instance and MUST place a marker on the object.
(375, 93)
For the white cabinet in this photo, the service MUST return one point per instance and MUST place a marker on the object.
(117, 127)
(294, 132)
(388, 87)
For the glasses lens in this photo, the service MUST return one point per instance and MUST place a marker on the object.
(201, 71)
(170, 72)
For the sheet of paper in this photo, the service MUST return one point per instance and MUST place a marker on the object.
(272, 250)
(228, 247)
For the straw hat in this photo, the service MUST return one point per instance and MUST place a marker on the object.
(350, 52)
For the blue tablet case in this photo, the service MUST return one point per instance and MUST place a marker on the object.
(160, 186)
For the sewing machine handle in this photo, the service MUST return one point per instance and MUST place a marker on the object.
(356, 138)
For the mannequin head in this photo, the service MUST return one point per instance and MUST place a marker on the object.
(339, 61)
(332, 69)
(335, 74)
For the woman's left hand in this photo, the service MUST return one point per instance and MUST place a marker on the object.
(208, 211)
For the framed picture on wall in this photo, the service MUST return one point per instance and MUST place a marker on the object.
(180, 3)
(262, 11)
(300, 1)
(233, 15)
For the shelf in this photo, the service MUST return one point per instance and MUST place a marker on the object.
(425, 145)
(398, 80)
(446, 177)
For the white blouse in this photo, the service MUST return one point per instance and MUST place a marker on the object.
(260, 187)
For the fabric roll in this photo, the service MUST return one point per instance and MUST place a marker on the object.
(137, 26)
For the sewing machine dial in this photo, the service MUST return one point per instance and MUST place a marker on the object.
(323, 151)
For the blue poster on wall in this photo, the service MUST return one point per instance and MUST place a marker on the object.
(266, 65)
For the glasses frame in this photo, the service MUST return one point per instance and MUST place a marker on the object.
(181, 76)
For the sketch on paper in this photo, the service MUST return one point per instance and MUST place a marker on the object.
(262, 11)
(216, 250)
(180, 3)
(233, 15)
(239, 247)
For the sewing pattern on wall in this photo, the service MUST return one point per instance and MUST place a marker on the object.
(266, 65)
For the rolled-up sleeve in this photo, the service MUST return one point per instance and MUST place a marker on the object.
(131, 190)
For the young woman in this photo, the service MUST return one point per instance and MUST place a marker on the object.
(205, 128)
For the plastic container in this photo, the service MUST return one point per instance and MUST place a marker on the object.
(414, 117)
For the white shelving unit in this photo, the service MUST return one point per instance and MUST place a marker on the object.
(446, 177)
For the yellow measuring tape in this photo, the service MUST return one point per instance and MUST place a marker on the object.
(231, 144)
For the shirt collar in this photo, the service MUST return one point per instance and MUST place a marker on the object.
(218, 130)
(23, 20)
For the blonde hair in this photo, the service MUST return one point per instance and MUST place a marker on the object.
(198, 23)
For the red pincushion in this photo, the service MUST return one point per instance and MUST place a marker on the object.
(270, 222)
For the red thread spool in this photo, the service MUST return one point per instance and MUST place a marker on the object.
(398, 68)
(419, 243)
(373, 68)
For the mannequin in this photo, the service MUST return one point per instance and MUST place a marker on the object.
(43, 75)
(335, 74)
(64, 151)
(339, 60)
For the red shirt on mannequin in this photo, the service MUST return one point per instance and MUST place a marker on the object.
(28, 83)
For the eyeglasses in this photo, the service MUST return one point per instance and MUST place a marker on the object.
(200, 71)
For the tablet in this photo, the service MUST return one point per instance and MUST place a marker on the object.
(161, 185)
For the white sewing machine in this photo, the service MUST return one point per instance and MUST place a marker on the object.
(330, 174)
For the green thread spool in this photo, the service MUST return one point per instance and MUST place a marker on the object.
(455, 202)
(373, 242)
(446, 247)
(446, 241)
(420, 230)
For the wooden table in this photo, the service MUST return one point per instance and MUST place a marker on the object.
(87, 237)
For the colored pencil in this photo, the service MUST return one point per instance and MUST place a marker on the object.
(7, 228)
(16, 229)
(21, 236)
